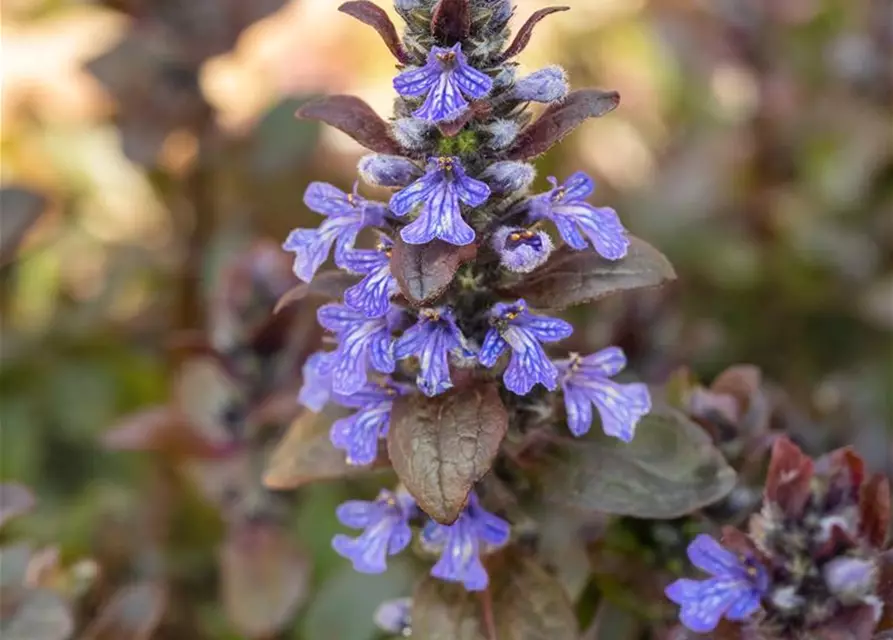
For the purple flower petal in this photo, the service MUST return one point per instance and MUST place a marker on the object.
(387, 532)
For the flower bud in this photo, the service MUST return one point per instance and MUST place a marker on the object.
(508, 177)
(546, 85)
(521, 250)
(411, 133)
(387, 171)
(502, 133)
(393, 616)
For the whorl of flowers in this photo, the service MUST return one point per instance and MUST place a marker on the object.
(442, 342)
(812, 562)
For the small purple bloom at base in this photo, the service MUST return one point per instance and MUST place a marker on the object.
(734, 591)
(395, 616)
(362, 341)
(317, 387)
(521, 250)
(431, 340)
(358, 434)
(385, 521)
(461, 544)
(373, 294)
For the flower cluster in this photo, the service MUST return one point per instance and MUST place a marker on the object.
(812, 560)
(408, 327)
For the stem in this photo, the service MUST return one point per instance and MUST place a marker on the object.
(489, 620)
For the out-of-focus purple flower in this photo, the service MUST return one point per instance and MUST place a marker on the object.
(387, 171)
(733, 592)
(431, 340)
(586, 381)
(439, 193)
(317, 386)
(578, 221)
(853, 580)
(385, 521)
(346, 215)
(358, 434)
(395, 616)
(361, 341)
(446, 79)
(461, 544)
(521, 250)
(515, 328)
(546, 85)
(372, 295)
(508, 177)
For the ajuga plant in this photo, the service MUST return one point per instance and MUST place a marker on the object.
(444, 342)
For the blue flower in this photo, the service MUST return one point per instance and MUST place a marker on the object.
(586, 382)
(395, 616)
(460, 544)
(439, 193)
(447, 79)
(357, 435)
(432, 339)
(521, 250)
(317, 386)
(372, 295)
(361, 341)
(385, 521)
(734, 591)
(346, 215)
(514, 327)
(575, 218)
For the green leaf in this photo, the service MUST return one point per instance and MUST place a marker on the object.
(527, 604)
(670, 469)
(440, 447)
(573, 277)
(344, 605)
(279, 144)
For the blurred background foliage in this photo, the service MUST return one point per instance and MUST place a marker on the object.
(147, 142)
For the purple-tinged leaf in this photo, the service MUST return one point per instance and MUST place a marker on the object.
(560, 119)
(576, 277)
(133, 613)
(425, 271)
(451, 21)
(307, 455)
(164, 430)
(376, 17)
(526, 603)
(671, 468)
(355, 118)
(522, 39)
(42, 615)
(440, 447)
(328, 284)
(264, 578)
(15, 500)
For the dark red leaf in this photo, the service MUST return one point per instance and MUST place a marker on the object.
(885, 592)
(451, 21)
(522, 39)
(355, 118)
(440, 447)
(328, 284)
(424, 271)
(560, 119)
(133, 613)
(571, 277)
(851, 623)
(875, 510)
(376, 17)
(790, 474)
(162, 430)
